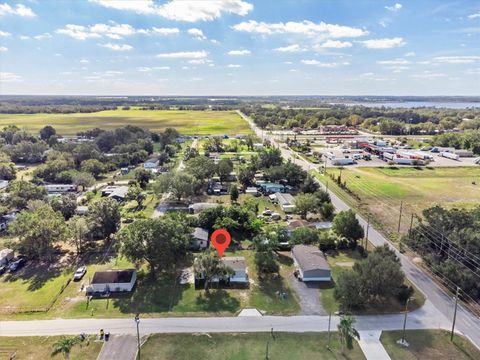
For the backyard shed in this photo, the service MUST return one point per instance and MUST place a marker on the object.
(199, 239)
(311, 263)
(112, 281)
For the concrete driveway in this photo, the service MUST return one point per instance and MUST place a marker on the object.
(309, 296)
(119, 347)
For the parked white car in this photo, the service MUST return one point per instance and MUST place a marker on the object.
(81, 271)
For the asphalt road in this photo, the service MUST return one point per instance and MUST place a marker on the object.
(467, 323)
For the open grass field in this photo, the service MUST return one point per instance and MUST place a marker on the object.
(305, 346)
(35, 348)
(344, 260)
(379, 191)
(428, 345)
(186, 122)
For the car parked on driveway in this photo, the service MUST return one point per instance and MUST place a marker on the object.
(17, 263)
(81, 271)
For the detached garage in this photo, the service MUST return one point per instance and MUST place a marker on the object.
(311, 263)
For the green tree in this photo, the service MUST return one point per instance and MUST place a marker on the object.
(47, 132)
(93, 166)
(161, 242)
(142, 177)
(234, 193)
(224, 168)
(304, 235)
(79, 232)
(135, 194)
(327, 241)
(209, 266)
(265, 257)
(7, 171)
(202, 167)
(306, 203)
(65, 204)
(180, 184)
(21, 192)
(348, 290)
(347, 332)
(104, 217)
(83, 179)
(246, 176)
(64, 346)
(38, 230)
(346, 224)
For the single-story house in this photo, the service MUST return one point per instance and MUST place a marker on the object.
(5, 256)
(199, 239)
(119, 194)
(286, 202)
(240, 272)
(311, 263)
(81, 210)
(271, 188)
(3, 184)
(112, 281)
(60, 188)
(151, 164)
(252, 191)
(7, 219)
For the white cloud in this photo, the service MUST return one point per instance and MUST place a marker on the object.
(428, 75)
(3, 49)
(239, 52)
(319, 64)
(43, 36)
(4, 34)
(385, 43)
(409, 54)
(19, 10)
(288, 62)
(162, 67)
(184, 55)
(197, 34)
(112, 31)
(144, 69)
(290, 48)
(182, 10)
(307, 28)
(234, 66)
(335, 44)
(9, 77)
(474, 16)
(456, 59)
(396, 7)
(165, 31)
(393, 62)
(199, 61)
(25, 37)
(84, 61)
(117, 47)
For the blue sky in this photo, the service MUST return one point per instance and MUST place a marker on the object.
(240, 47)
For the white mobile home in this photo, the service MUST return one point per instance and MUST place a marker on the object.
(60, 188)
(286, 202)
(311, 263)
(112, 281)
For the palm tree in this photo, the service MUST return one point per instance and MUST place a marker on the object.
(347, 331)
(64, 346)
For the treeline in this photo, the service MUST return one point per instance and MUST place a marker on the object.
(6, 108)
(468, 140)
(385, 120)
(449, 242)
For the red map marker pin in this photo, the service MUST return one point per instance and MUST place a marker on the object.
(220, 240)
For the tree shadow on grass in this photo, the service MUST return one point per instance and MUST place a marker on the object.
(217, 301)
(285, 259)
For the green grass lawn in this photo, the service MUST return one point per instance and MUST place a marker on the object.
(243, 346)
(187, 122)
(428, 345)
(343, 260)
(379, 191)
(35, 347)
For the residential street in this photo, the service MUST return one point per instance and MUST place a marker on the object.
(425, 318)
(467, 323)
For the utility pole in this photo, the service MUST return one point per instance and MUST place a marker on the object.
(266, 351)
(455, 313)
(402, 341)
(366, 234)
(137, 321)
(329, 321)
(400, 217)
(411, 225)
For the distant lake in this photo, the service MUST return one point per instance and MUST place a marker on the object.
(417, 104)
